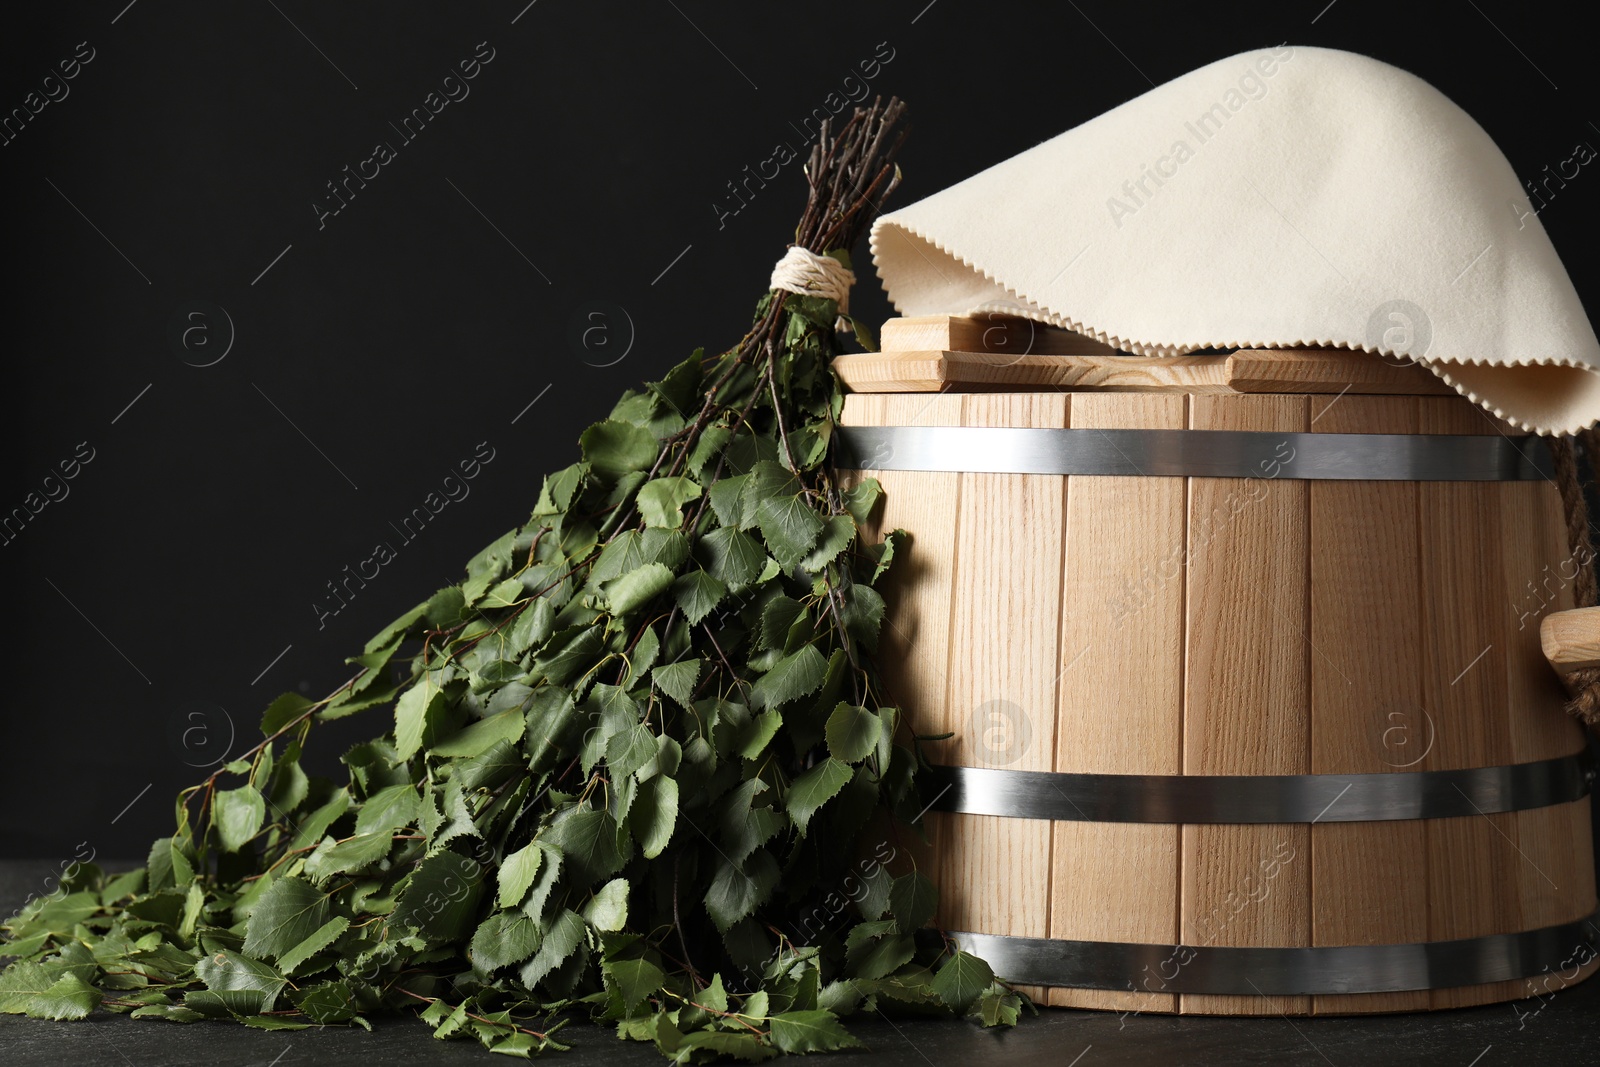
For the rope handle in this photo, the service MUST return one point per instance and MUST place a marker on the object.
(1571, 639)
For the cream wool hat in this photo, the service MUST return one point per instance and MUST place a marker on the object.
(1277, 199)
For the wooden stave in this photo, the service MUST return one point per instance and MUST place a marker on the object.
(1286, 412)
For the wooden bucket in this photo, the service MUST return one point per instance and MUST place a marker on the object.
(1246, 718)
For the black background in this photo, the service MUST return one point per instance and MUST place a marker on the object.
(157, 608)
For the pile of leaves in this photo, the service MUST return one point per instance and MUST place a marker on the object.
(634, 760)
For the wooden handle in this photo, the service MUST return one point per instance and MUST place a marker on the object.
(939, 353)
(1571, 640)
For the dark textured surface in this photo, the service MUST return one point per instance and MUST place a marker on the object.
(1565, 1031)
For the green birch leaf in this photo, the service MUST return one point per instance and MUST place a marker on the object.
(913, 900)
(740, 1046)
(630, 750)
(503, 595)
(815, 788)
(778, 617)
(852, 732)
(288, 913)
(790, 678)
(565, 659)
(45, 993)
(168, 867)
(374, 659)
(442, 897)
(121, 886)
(607, 910)
(861, 498)
(326, 935)
(560, 941)
(444, 608)
(698, 594)
(790, 527)
(874, 949)
(282, 711)
(193, 905)
(495, 556)
(559, 488)
(232, 972)
(729, 502)
(810, 1031)
(544, 882)
(755, 1005)
(638, 587)
(661, 500)
(388, 810)
(762, 729)
(732, 556)
(681, 386)
(863, 615)
(588, 842)
(386, 636)
(677, 679)
(238, 815)
(272, 1022)
(874, 901)
(456, 820)
(999, 1007)
(481, 736)
(837, 533)
(736, 891)
(504, 938)
(328, 1002)
(352, 854)
(961, 980)
(841, 997)
(614, 448)
(418, 707)
(533, 627)
(654, 815)
(317, 823)
(643, 657)
(516, 874)
(356, 699)
(226, 1004)
(715, 995)
(634, 981)
(172, 1013)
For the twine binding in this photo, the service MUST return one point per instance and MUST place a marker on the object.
(1564, 451)
(804, 272)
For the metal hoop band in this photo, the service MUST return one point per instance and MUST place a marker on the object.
(1288, 971)
(1195, 453)
(1267, 798)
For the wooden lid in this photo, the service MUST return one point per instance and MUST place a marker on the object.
(950, 353)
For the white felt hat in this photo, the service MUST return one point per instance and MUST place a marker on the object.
(1276, 199)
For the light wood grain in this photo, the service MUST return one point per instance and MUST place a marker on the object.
(937, 371)
(1366, 698)
(1570, 640)
(1305, 371)
(1122, 604)
(1002, 334)
(1327, 370)
(935, 353)
(1246, 695)
(1321, 627)
(1472, 888)
(1004, 639)
(914, 645)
